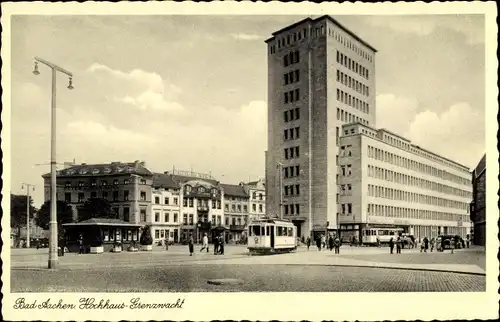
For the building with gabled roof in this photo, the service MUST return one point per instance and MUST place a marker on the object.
(236, 212)
(256, 191)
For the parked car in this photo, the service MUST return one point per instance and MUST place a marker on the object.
(444, 242)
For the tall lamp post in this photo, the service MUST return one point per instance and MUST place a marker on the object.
(53, 256)
(28, 187)
(280, 172)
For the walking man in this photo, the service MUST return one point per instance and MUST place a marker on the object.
(318, 243)
(166, 242)
(336, 243)
(80, 242)
(221, 244)
(191, 245)
(391, 245)
(308, 242)
(398, 245)
(205, 243)
(331, 243)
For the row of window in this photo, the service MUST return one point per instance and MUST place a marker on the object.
(379, 154)
(408, 180)
(292, 96)
(166, 217)
(291, 58)
(292, 190)
(117, 235)
(162, 233)
(345, 189)
(293, 209)
(266, 231)
(291, 171)
(352, 83)
(103, 183)
(104, 195)
(346, 150)
(291, 153)
(352, 65)
(412, 213)
(349, 44)
(345, 170)
(352, 101)
(347, 117)
(254, 196)
(166, 201)
(236, 208)
(292, 77)
(412, 197)
(346, 209)
(291, 115)
(291, 134)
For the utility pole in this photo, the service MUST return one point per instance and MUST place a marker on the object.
(28, 187)
(53, 255)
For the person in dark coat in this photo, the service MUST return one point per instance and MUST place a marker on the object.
(191, 245)
(221, 244)
(398, 245)
(80, 243)
(336, 244)
(318, 242)
(391, 245)
(216, 245)
(330, 243)
(308, 242)
(426, 244)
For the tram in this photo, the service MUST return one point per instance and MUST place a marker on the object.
(271, 236)
(384, 235)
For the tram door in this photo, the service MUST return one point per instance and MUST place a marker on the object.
(270, 229)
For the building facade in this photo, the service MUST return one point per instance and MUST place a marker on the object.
(165, 208)
(256, 192)
(478, 204)
(386, 181)
(317, 69)
(236, 212)
(127, 186)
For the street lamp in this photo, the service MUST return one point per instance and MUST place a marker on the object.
(28, 187)
(53, 256)
(280, 171)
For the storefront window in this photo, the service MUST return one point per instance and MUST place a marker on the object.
(118, 235)
(157, 234)
(106, 235)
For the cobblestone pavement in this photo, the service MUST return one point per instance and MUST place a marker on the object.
(254, 278)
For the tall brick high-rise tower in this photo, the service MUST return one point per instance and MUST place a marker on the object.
(320, 76)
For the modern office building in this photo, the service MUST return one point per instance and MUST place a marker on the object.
(478, 204)
(317, 69)
(386, 181)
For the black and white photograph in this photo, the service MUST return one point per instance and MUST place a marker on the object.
(162, 156)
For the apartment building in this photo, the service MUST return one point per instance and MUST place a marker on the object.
(317, 69)
(127, 186)
(386, 181)
(256, 192)
(235, 211)
(165, 208)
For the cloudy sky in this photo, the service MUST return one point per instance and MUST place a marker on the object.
(190, 91)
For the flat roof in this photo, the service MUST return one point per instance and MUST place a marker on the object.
(335, 22)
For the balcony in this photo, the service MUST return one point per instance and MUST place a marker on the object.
(202, 208)
(237, 227)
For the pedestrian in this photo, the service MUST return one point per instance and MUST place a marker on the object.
(391, 245)
(80, 243)
(452, 245)
(318, 242)
(330, 242)
(323, 241)
(38, 244)
(378, 241)
(205, 243)
(221, 244)
(467, 240)
(216, 244)
(426, 244)
(433, 242)
(166, 242)
(336, 243)
(398, 245)
(191, 245)
(308, 242)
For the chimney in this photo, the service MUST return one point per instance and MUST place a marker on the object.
(136, 163)
(143, 163)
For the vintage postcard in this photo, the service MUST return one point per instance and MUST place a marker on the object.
(249, 161)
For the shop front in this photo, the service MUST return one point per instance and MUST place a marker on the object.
(101, 233)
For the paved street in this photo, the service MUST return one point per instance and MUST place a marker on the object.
(356, 269)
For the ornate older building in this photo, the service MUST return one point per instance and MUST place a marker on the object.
(256, 191)
(127, 186)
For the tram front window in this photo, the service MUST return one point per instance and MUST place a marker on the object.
(254, 230)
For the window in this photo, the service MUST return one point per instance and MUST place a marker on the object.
(176, 217)
(157, 200)
(93, 194)
(115, 182)
(143, 214)
(67, 197)
(191, 219)
(185, 219)
(260, 209)
(190, 202)
(126, 214)
(167, 200)
(157, 216)
(125, 194)
(143, 196)
(349, 208)
(176, 201)
(126, 181)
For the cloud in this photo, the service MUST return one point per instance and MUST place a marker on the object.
(457, 133)
(471, 26)
(243, 36)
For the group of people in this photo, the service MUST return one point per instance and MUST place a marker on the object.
(427, 243)
(217, 240)
(333, 242)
